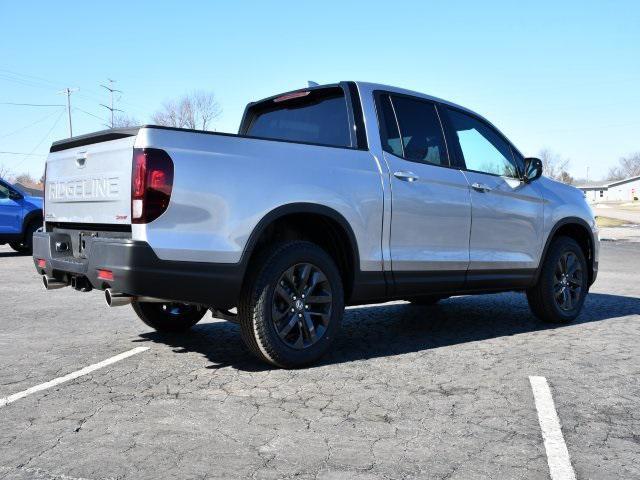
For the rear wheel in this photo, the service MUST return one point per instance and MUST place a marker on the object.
(26, 246)
(563, 284)
(18, 247)
(292, 308)
(169, 317)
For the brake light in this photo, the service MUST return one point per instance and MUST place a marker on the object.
(42, 263)
(151, 184)
(291, 96)
(105, 274)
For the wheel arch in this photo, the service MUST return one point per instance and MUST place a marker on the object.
(580, 231)
(31, 217)
(321, 224)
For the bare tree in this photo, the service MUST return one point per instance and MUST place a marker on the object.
(122, 121)
(4, 171)
(628, 166)
(197, 110)
(554, 166)
(25, 179)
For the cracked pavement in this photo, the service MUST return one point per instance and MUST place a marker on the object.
(408, 392)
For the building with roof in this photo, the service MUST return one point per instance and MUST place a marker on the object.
(627, 190)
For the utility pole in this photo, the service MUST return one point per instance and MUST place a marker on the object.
(68, 91)
(111, 91)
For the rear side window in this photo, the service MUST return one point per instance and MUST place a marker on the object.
(315, 116)
(420, 138)
(389, 128)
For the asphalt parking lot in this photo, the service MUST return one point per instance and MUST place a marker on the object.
(409, 392)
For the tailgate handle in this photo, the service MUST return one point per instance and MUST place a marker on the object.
(81, 159)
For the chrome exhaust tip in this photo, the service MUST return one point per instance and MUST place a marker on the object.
(51, 283)
(117, 299)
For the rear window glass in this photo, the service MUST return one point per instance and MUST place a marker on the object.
(317, 117)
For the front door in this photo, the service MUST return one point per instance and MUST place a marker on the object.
(507, 213)
(430, 205)
(10, 212)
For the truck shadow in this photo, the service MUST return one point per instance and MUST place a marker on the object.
(400, 328)
(13, 254)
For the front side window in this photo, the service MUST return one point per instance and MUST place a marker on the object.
(316, 116)
(4, 191)
(482, 148)
(421, 136)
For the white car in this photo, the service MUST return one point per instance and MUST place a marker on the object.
(339, 194)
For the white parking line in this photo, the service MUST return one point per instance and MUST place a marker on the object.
(557, 454)
(71, 376)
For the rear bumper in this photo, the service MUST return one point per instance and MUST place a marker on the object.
(138, 271)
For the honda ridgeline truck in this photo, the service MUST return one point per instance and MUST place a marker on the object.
(333, 195)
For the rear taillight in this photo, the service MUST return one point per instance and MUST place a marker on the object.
(104, 274)
(151, 184)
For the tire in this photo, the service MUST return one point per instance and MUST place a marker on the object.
(558, 297)
(169, 317)
(26, 246)
(426, 300)
(286, 320)
(18, 247)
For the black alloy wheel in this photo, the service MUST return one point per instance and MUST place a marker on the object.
(568, 282)
(301, 305)
(563, 283)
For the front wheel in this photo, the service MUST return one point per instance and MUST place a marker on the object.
(563, 283)
(169, 317)
(291, 309)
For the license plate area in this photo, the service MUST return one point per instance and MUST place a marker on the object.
(77, 242)
(84, 242)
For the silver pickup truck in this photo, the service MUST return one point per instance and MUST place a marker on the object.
(328, 196)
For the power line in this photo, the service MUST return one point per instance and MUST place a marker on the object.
(55, 124)
(33, 104)
(48, 84)
(25, 154)
(89, 113)
(40, 120)
(41, 79)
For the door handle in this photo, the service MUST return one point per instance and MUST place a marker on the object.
(406, 176)
(481, 187)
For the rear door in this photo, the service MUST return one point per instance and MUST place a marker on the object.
(10, 212)
(430, 207)
(506, 232)
(90, 184)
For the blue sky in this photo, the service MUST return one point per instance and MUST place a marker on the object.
(563, 75)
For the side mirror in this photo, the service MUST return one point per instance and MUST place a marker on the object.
(13, 195)
(532, 169)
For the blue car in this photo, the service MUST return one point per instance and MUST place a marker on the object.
(20, 216)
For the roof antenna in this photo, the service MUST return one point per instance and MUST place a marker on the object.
(312, 83)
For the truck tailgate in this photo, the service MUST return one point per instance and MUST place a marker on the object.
(90, 183)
